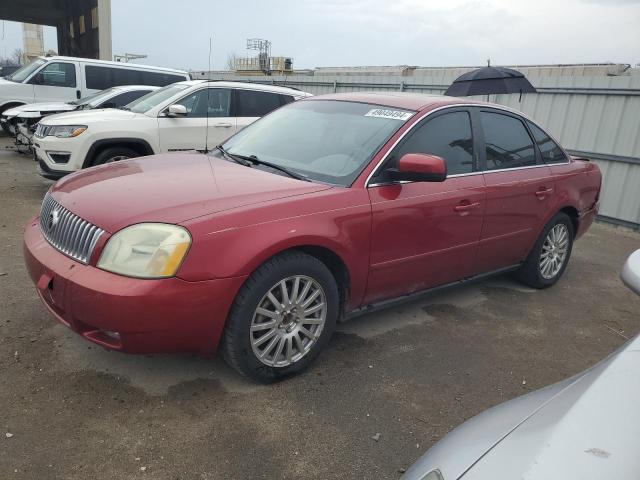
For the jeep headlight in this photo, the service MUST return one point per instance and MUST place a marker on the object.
(67, 131)
(146, 250)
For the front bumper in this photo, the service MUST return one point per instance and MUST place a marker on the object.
(128, 314)
(46, 171)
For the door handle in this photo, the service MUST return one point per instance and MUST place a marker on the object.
(78, 94)
(542, 192)
(223, 125)
(465, 206)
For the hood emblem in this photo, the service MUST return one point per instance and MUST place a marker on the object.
(54, 218)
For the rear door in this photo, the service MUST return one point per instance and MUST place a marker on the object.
(426, 234)
(250, 105)
(520, 190)
(56, 81)
(189, 132)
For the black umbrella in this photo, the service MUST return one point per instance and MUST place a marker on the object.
(487, 80)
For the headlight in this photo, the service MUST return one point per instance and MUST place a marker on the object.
(146, 250)
(67, 131)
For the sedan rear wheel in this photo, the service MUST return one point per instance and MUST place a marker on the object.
(550, 254)
(282, 317)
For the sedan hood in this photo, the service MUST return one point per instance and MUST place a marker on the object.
(41, 107)
(170, 188)
(587, 426)
(84, 117)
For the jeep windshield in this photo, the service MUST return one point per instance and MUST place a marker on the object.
(23, 73)
(155, 98)
(323, 140)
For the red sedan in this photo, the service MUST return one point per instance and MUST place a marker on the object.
(324, 208)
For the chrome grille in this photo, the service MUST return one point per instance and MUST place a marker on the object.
(67, 232)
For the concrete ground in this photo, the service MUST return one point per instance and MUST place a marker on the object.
(410, 374)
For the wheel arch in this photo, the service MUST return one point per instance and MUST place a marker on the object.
(335, 262)
(572, 213)
(139, 145)
(11, 104)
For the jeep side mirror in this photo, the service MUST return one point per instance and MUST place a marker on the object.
(176, 110)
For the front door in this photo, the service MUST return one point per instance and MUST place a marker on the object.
(207, 106)
(426, 234)
(519, 191)
(56, 81)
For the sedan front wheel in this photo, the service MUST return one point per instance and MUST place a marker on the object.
(282, 317)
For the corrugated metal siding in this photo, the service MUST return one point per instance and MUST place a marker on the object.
(583, 108)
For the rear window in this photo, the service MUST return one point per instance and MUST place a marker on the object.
(252, 103)
(100, 78)
(550, 151)
(507, 142)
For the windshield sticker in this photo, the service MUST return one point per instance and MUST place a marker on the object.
(384, 113)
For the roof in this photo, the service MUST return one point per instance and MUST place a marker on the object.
(109, 62)
(404, 100)
(249, 85)
(135, 87)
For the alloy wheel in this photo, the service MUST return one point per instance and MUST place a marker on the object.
(116, 158)
(288, 321)
(554, 251)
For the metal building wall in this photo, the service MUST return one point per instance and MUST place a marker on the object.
(593, 110)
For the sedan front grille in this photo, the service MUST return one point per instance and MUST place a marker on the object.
(67, 232)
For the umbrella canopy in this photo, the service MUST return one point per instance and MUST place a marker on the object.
(487, 80)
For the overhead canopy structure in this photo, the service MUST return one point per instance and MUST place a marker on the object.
(83, 26)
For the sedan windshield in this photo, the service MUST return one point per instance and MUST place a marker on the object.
(22, 73)
(324, 140)
(155, 98)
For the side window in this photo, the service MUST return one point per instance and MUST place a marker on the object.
(56, 74)
(551, 152)
(447, 136)
(252, 103)
(284, 99)
(98, 78)
(123, 99)
(123, 76)
(219, 102)
(158, 79)
(507, 142)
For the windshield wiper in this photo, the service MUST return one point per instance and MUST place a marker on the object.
(235, 158)
(256, 161)
(124, 107)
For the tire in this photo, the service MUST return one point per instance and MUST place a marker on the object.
(243, 341)
(539, 274)
(113, 154)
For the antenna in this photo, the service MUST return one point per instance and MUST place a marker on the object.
(206, 136)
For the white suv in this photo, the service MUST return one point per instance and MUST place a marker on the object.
(173, 118)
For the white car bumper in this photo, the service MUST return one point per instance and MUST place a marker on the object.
(58, 157)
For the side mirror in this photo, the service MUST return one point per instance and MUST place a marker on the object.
(419, 167)
(108, 105)
(176, 110)
(631, 272)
